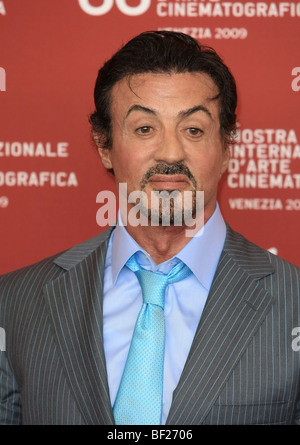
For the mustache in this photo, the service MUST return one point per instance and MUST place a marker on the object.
(168, 169)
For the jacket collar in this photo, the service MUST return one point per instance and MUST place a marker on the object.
(237, 305)
(74, 303)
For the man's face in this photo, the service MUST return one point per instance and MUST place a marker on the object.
(166, 135)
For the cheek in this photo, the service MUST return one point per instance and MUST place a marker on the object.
(125, 166)
(207, 170)
(131, 159)
(209, 164)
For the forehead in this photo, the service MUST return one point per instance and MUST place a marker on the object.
(164, 91)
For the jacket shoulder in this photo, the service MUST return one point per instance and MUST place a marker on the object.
(50, 268)
(253, 256)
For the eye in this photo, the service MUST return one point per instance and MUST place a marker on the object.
(145, 130)
(193, 131)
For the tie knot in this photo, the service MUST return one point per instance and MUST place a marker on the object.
(154, 284)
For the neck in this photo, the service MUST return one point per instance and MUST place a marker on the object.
(164, 242)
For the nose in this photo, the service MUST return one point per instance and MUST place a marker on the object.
(170, 148)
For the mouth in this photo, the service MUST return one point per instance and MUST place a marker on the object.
(169, 182)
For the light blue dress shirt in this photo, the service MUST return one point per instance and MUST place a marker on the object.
(184, 300)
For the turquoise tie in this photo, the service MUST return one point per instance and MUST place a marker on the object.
(139, 398)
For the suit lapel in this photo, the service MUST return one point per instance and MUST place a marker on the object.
(75, 306)
(236, 306)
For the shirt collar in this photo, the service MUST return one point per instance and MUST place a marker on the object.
(123, 247)
(201, 254)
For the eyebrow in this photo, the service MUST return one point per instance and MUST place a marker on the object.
(195, 109)
(140, 108)
(181, 114)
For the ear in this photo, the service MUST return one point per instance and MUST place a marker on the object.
(105, 157)
(103, 152)
(226, 159)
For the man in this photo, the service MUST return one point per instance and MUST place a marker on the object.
(165, 114)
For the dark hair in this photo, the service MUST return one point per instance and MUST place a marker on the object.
(162, 52)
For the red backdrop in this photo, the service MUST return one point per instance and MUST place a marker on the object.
(50, 173)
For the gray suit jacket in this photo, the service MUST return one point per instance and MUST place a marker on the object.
(241, 368)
